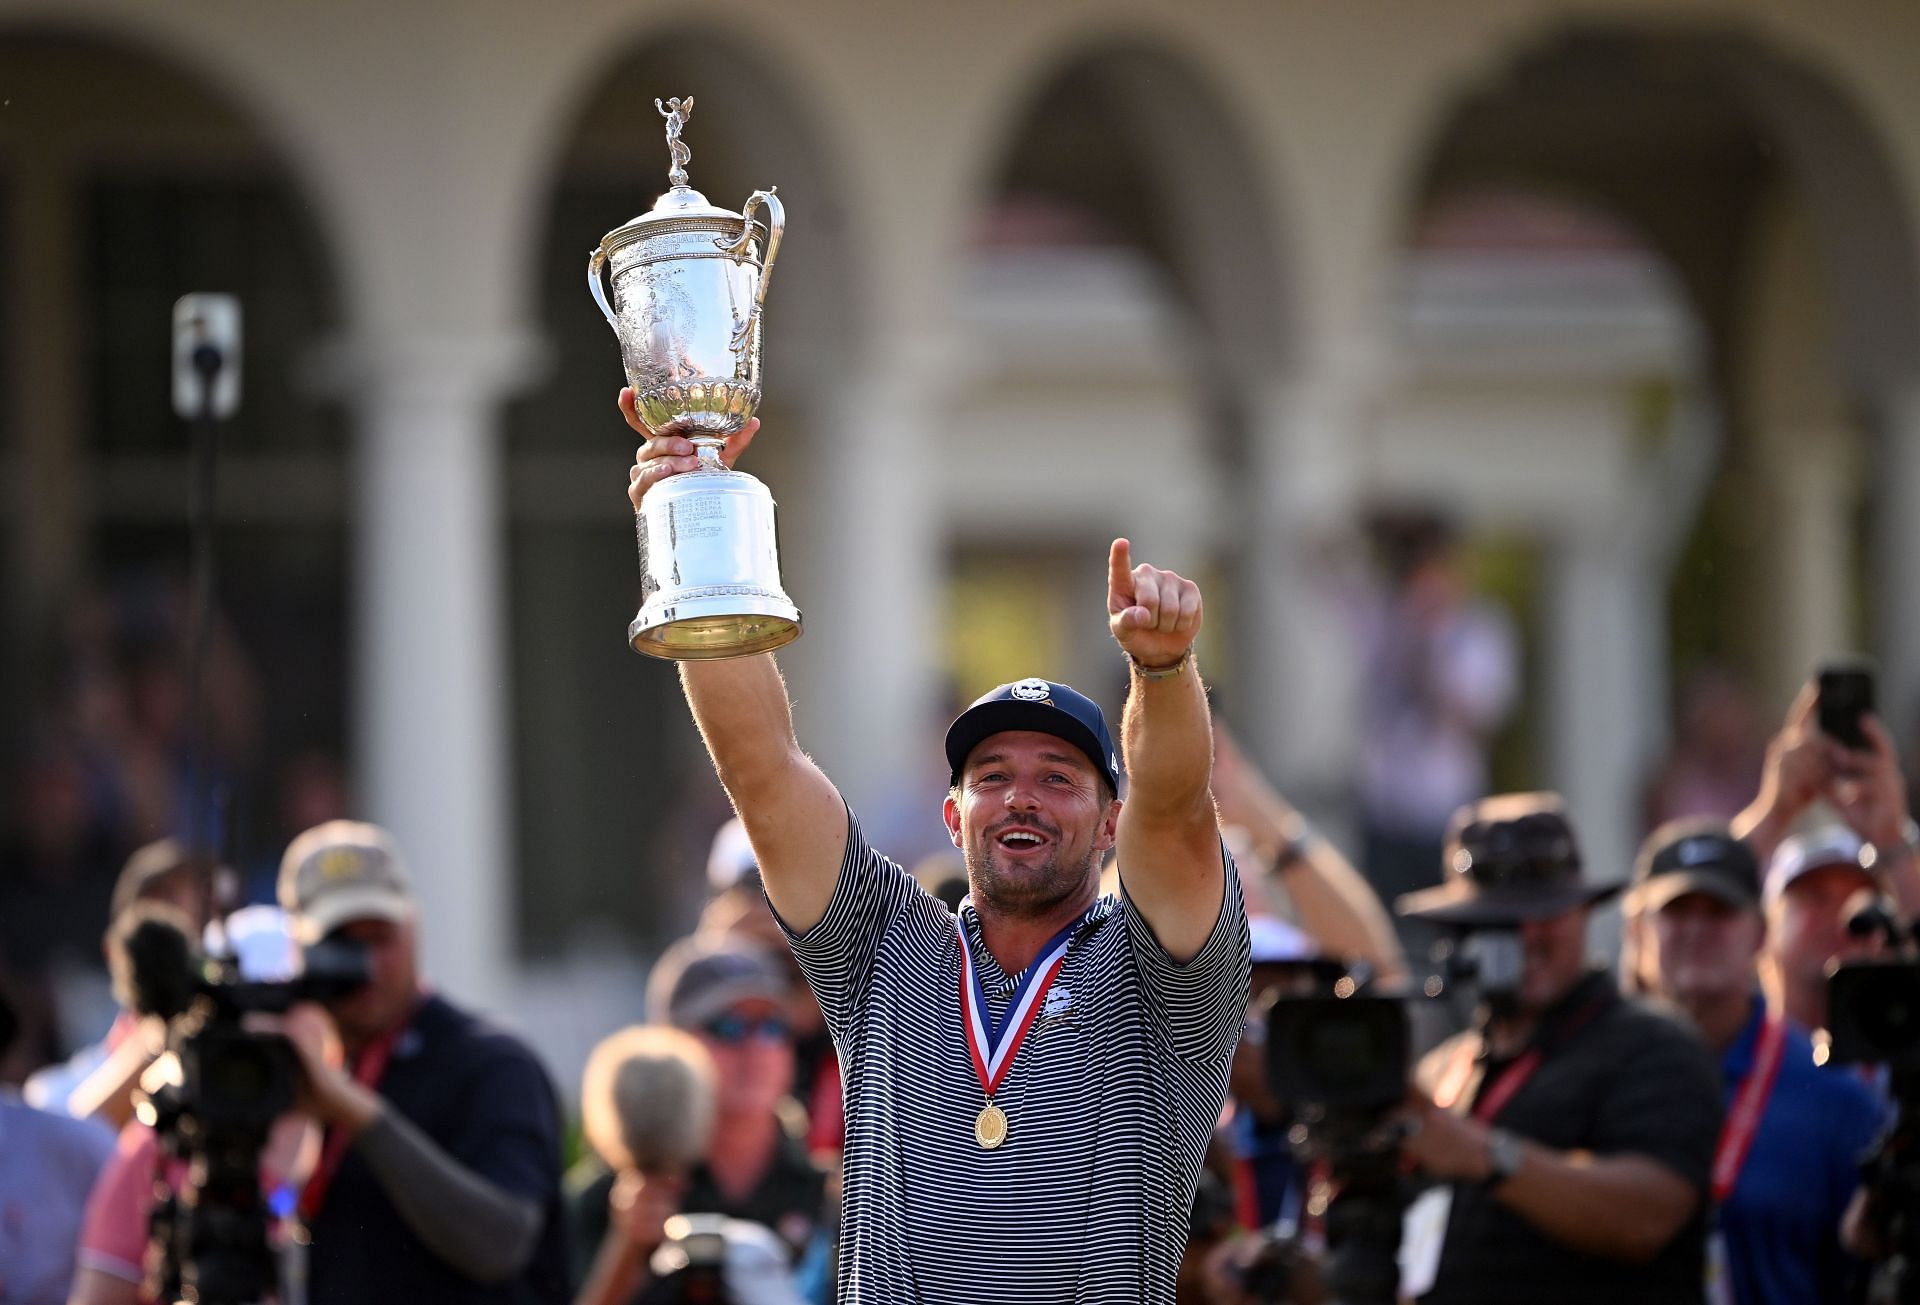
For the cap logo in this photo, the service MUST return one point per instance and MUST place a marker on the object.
(1032, 691)
(338, 863)
(1697, 851)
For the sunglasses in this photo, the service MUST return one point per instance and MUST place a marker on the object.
(732, 1030)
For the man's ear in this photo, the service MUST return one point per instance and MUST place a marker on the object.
(1109, 827)
(950, 812)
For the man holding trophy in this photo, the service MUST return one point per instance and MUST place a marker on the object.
(1031, 1081)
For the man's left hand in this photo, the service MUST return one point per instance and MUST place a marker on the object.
(1445, 1145)
(1154, 614)
(326, 1091)
(1869, 790)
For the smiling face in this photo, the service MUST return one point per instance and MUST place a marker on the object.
(1032, 817)
(1698, 948)
(1555, 952)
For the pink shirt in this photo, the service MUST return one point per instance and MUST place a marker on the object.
(113, 1239)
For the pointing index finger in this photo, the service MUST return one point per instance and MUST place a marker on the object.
(1120, 576)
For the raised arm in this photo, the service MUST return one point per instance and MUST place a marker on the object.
(1168, 842)
(793, 815)
(1331, 900)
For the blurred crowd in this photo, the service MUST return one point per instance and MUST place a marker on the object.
(1671, 1123)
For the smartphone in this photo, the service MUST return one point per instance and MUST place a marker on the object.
(1846, 694)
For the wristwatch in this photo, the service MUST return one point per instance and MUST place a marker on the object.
(1296, 841)
(1505, 1154)
(1909, 844)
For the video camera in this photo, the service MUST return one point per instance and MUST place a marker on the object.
(211, 1237)
(1338, 1056)
(1873, 1018)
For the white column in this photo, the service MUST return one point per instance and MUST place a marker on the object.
(431, 695)
(867, 571)
(1600, 665)
(1296, 703)
(1896, 556)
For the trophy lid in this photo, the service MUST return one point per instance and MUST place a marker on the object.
(682, 203)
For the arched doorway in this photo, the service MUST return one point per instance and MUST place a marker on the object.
(616, 800)
(126, 181)
(1762, 194)
(1121, 303)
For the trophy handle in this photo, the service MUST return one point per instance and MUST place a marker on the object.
(597, 284)
(776, 227)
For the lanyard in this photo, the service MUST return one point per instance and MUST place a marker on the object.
(1514, 1077)
(369, 1067)
(1495, 1098)
(1749, 1104)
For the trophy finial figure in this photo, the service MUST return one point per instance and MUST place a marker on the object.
(677, 111)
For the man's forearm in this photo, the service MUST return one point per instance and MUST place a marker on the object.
(1624, 1208)
(741, 707)
(794, 817)
(1168, 736)
(1338, 909)
(471, 1224)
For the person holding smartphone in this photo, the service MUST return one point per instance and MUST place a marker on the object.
(1834, 749)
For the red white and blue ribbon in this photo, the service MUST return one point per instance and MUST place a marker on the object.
(993, 1048)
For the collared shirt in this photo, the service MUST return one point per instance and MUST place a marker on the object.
(480, 1095)
(1110, 1101)
(1782, 1221)
(1617, 1077)
(48, 1163)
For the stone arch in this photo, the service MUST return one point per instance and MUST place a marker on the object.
(1139, 130)
(1127, 143)
(1744, 169)
(132, 172)
(572, 565)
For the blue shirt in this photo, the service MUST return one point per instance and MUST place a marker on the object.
(1782, 1220)
(47, 1166)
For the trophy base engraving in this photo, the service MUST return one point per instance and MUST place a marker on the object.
(692, 629)
(710, 570)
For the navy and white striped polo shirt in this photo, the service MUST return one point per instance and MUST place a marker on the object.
(1110, 1101)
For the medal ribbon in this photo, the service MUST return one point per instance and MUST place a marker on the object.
(1743, 1121)
(993, 1050)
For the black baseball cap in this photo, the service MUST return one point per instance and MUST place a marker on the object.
(1045, 708)
(1695, 856)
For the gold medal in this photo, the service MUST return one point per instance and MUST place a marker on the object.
(990, 1126)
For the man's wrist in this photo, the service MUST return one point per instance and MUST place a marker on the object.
(1902, 846)
(357, 1109)
(1150, 672)
(1506, 1152)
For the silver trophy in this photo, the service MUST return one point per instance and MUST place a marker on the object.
(683, 286)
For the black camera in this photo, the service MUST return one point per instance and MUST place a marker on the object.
(1873, 1018)
(1332, 1053)
(690, 1266)
(1873, 1014)
(1340, 1059)
(211, 1237)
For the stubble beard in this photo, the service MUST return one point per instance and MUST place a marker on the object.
(1032, 894)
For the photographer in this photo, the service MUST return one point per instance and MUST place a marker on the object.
(1574, 1125)
(98, 1082)
(647, 1106)
(115, 1245)
(439, 1175)
(1788, 1158)
(1862, 783)
(732, 998)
